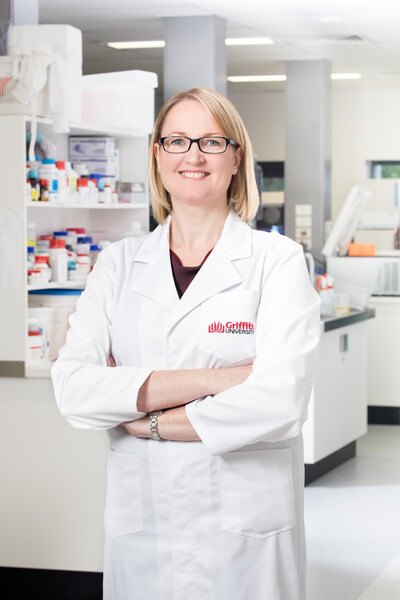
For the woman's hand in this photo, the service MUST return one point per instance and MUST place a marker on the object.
(172, 388)
(139, 428)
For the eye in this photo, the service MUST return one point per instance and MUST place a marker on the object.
(214, 142)
(176, 141)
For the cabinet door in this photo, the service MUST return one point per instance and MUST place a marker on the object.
(384, 353)
(338, 406)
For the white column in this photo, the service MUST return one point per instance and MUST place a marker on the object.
(194, 54)
(16, 12)
(308, 151)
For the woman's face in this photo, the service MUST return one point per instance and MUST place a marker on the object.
(194, 177)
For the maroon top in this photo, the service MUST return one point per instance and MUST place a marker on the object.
(183, 276)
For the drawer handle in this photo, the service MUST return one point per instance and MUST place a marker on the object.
(344, 343)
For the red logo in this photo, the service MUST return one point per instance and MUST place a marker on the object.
(240, 327)
(216, 327)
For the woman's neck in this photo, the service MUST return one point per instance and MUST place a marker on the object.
(195, 232)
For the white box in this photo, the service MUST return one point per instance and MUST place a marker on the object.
(124, 100)
(107, 167)
(64, 40)
(82, 147)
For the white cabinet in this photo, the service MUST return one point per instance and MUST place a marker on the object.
(384, 352)
(15, 213)
(338, 405)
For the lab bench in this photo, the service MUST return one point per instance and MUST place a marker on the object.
(337, 414)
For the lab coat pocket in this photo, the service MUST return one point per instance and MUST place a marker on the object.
(228, 326)
(257, 493)
(123, 511)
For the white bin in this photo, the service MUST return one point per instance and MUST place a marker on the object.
(64, 304)
(124, 100)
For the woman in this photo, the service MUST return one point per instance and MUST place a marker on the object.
(213, 328)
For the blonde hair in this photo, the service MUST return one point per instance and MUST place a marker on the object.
(243, 195)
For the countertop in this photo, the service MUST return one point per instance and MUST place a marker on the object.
(355, 316)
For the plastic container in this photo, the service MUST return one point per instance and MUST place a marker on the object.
(107, 197)
(73, 233)
(123, 99)
(342, 303)
(64, 304)
(31, 234)
(83, 244)
(59, 261)
(30, 258)
(83, 266)
(42, 266)
(34, 347)
(45, 317)
(94, 253)
(62, 182)
(33, 179)
(48, 170)
(83, 190)
(72, 272)
(44, 190)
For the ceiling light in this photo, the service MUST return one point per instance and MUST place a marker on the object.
(253, 41)
(255, 78)
(136, 45)
(338, 76)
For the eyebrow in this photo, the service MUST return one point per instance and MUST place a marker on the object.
(186, 135)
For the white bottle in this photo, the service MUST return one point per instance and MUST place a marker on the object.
(72, 178)
(49, 171)
(83, 190)
(59, 261)
(83, 266)
(34, 354)
(62, 182)
(107, 198)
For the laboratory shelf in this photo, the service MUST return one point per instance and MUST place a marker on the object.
(39, 372)
(121, 206)
(70, 285)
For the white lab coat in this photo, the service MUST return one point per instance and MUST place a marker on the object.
(221, 518)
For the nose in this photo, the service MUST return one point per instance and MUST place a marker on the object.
(194, 154)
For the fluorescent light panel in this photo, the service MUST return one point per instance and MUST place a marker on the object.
(160, 43)
(272, 78)
(255, 78)
(253, 41)
(346, 76)
(136, 45)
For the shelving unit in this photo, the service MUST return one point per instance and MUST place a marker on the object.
(16, 212)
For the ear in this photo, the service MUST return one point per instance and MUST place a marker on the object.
(157, 154)
(237, 159)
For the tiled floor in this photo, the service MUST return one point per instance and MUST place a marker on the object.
(353, 523)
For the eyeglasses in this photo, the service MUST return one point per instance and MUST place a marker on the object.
(178, 144)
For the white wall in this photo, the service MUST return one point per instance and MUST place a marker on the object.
(365, 126)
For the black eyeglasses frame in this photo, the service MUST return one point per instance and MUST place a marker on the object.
(228, 142)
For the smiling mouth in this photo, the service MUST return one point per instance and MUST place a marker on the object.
(194, 174)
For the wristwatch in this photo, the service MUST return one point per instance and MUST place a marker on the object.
(154, 423)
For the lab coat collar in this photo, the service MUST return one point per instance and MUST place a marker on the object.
(216, 275)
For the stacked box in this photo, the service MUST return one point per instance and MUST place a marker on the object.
(96, 152)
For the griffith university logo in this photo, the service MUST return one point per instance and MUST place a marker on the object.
(240, 327)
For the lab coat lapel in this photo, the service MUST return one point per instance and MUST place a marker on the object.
(218, 272)
(216, 275)
(156, 281)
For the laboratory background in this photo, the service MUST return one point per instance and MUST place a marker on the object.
(317, 83)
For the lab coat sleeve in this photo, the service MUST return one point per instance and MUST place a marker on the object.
(271, 405)
(89, 394)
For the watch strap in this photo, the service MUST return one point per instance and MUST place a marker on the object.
(154, 424)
